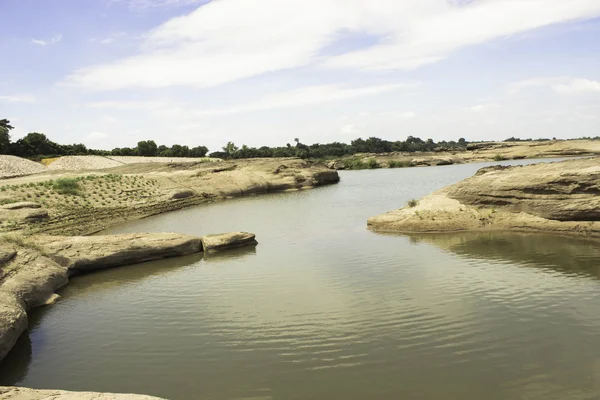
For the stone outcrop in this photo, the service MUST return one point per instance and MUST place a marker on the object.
(86, 253)
(549, 197)
(227, 240)
(16, 393)
(33, 268)
(20, 205)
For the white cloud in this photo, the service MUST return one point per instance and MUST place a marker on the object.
(406, 115)
(562, 85)
(578, 86)
(305, 96)
(293, 98)
(53, 40)
(228, 40)
(130, 105)
(94, 136)
(349, 129)
(18, 99)
(483, 107)
(152, 4)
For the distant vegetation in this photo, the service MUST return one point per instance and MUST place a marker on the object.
(36, 146)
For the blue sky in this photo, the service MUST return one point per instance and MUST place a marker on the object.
(109, 73)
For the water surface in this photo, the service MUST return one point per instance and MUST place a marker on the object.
(323, 308)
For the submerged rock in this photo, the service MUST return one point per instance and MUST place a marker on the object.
(227, 240)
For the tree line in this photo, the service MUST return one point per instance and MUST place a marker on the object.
(36, 146)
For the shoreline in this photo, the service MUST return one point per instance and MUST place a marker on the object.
(103, 198)
(35, 261)
(559, 198)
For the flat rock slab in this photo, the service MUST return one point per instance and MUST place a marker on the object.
(20, 205)
(227, 240)
(16, 393)
(86, 253)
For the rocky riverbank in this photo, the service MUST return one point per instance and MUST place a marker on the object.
(33, 268)
(84, 202)
(475, 152)
(560, 197)
(15, 393)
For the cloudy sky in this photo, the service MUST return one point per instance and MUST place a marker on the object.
(109, 73)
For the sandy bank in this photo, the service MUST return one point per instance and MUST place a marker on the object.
(549, 197)
(111, 196)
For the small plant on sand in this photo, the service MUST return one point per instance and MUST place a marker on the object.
(412, 203)
(499, 157)
(67, 186)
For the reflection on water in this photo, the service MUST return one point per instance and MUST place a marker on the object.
(567, 255)
(323, 308)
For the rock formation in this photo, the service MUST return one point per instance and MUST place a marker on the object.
(555, 197)
(33, 268)
(16, 393)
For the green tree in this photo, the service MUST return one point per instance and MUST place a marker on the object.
(147, 148)
(35, 144)
(230, 149)
(5, 128)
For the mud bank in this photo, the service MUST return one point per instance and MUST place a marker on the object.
(561, 197)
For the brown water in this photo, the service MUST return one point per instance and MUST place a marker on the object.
(324, 309)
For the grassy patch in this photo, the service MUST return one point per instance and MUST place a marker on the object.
(499, 157)
(398, 164)
(67, 186)
(412, 203)
(357, 163)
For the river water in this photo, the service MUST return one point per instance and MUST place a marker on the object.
(323, 308)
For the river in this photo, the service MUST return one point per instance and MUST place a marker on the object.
(323, 308)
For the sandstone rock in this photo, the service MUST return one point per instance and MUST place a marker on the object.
(182, 194)
(6, 256)
(17, 393)
(566, 191)
(20, 205)
(226, 240)
(13, 322)
(549, 197)
(34, 215)
(325, 178)
(85, 253)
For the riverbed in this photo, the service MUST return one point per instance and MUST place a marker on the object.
(323, 308)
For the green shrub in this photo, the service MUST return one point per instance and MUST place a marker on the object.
(373, 164)
(412, 203)
(499, 157)
(398, 164)
(68, 186)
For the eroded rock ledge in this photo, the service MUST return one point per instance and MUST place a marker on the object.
(33, 268)
(561, 197)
